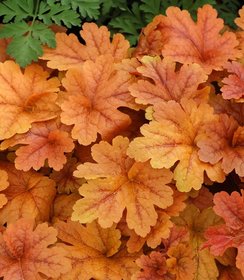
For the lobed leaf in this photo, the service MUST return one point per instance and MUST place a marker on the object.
(25, 98)
(131, 185)
(25, 253)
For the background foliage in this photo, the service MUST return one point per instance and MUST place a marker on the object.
(28, 22)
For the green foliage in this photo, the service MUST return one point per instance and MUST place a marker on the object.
(28, 22)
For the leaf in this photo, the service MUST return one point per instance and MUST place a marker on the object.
(162, 228)
(223, 142)
(53, 11)
(63, 206)
(3, 185)
(223, 106)
(234, 84)
(129, 22)
(192, 37)
(17, 10)
(240, 20)
(181, 262)
(230, 234)
(171, 138)
(45, 140)
(196, 223)
(127, 184)
(27, 40)
(167, 83)
(94, 93)
(25, 98)
(29, 195)
(178, 29)
(87, 8)
(70, 53)
(24, 252)
(94, 252)
(64, 178)
(153, 267)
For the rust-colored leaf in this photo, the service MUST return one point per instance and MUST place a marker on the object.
(70, 53)
(121, 183)
(172, 138)
(230, 234)
(94, 94)
(44, 141)
(94, 252)
(223, 141)
(168, 84)
(25, 253)
(29, 195)
(25, 98)
(234, 84)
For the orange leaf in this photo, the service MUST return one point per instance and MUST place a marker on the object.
(153, 267)
(63, 206)
(94, 93)
(231, 209)
(70, 53)
(181, 261)
(3, 185)
(43, 141)
(223, 106)
(162, 228)
(29, 195)
(151, 40)
(199, 42)
(172, 137)
(234, 84)
(25, 253)
(25, 98)
(223, 142)
(127, 184)
(64, 178)
(94, 252)
(167, 83)
(240, 21)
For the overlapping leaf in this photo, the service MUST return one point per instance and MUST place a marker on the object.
(25, 98)
(95, 252)
(45, 140)
(196, 222)
(200, 42)
(172, 138)
(230, 234)
(167, 83)
(25, 253)
(224, 142)
(3, 185)
(70, 53)
(29, 195)
(64, 178)
(185, 41)
(153, 267)
(234, 84)
(94, 93)
(162, 228)
(127, 184)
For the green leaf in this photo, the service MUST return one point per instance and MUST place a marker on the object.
(129, 22)
(107, 5)
(45, 35)
(151, 8)
(14, 29)
(87, 8)
(25, 49)
(58, 14)
(17, 10)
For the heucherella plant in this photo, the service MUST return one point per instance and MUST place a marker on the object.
(123, 163)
